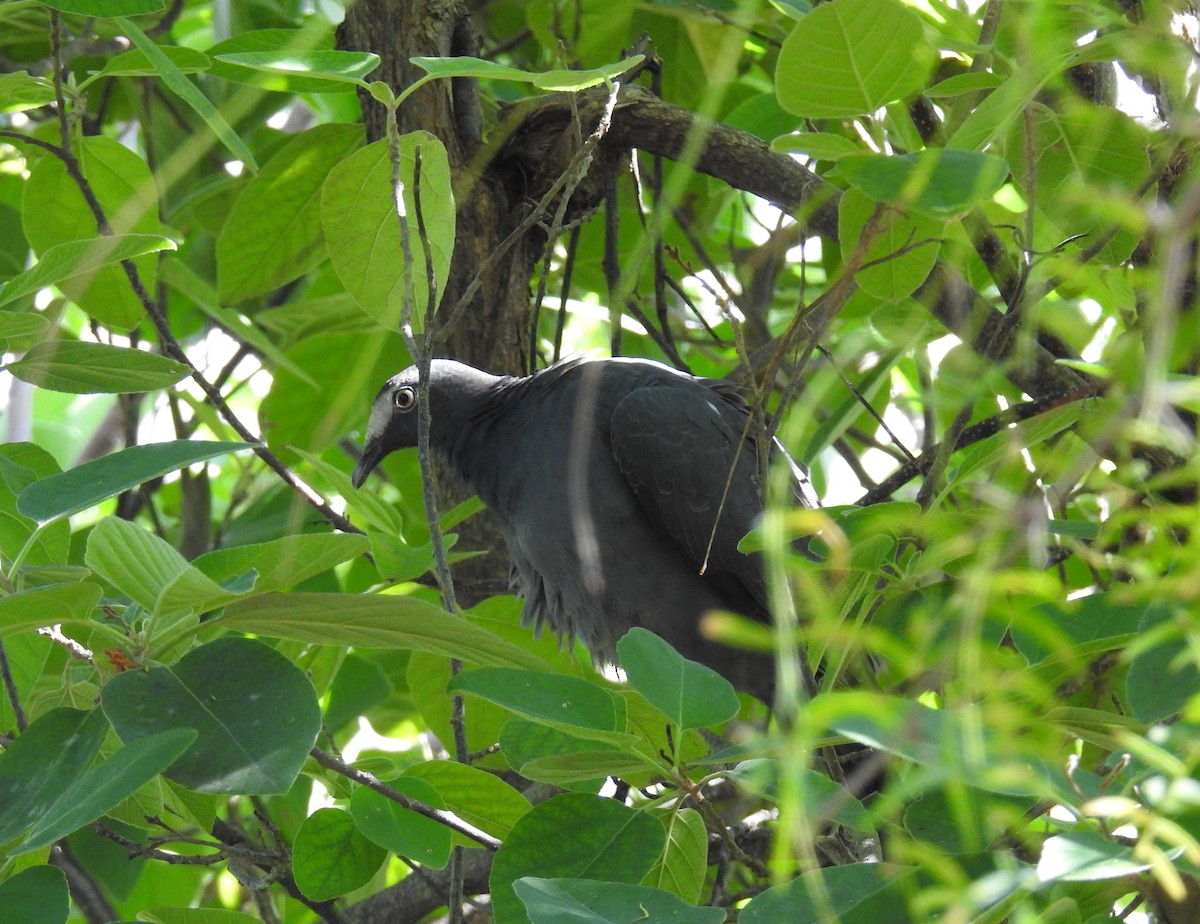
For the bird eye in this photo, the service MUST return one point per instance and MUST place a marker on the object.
(405, 398)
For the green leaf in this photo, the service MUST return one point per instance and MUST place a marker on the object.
(529, 746)
(255, 711)
(817, 145)
(37, 895)
(858, 893)
(276, 41)
(375, 621)
(1162, 677)
(88, 484)
(1083, 856)
(196, 916)
(961, 84)
(690, 694)
(19, 330)
(903, 251)
(586, 901)
(337, 66)
(43, 762)
(362, 230)
(1067, 634)
(178, 83)
(21, 464)
(47, 606)
(682, 867)
(849, 58)
(107, 785)
(150, 571)
(282, 563)
(477, 797)
(55, 212)
(20, 90)
(400, 830)
(938, 182)
(330, 856)
(75, 258)
(79, 368)
(108, 9)
(273, 233)
(569, 703)
(571, 836)
(134, 63)
(466, 66)
(570, 80)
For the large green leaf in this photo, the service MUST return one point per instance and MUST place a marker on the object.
(88, 484)
(43, 762)
(682, 867)
(91, 368)
(476, 796)
(690, 694)
(374, 621)
(565, 702)
(282, 563)
(336, 66)
(150, 571)
(400, 830)
(849, 58)
(273, 234)
(574, 835)
(36, 895)
(331, 857)
(901, 254)
(362, 229)
(21, 464)
(107, 785)
(1164, 677)
(55, 212)
(256, 714)
(940, 183)
(47, 606)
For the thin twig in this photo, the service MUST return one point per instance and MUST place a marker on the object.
(10, 687)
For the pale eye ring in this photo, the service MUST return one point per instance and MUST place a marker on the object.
(405, 398)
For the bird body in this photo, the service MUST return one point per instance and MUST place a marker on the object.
(622, 488)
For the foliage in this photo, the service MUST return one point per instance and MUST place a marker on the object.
(950, 247)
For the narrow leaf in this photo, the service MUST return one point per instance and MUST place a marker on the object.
(88, 484)
(174, 78)
(79, 368)
(64, 261)
(338, 66)
(108, 784)
(375, 621)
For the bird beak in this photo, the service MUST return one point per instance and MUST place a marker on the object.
(371, 457)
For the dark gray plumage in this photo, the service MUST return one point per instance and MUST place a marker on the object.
(606, 477)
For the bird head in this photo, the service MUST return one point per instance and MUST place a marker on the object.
(456, 390)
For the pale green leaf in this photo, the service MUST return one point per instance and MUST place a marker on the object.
(82, 368)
